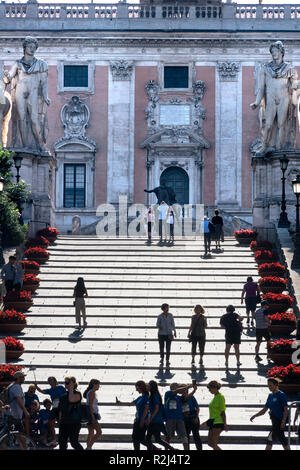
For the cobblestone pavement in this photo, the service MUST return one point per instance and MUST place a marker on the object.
(127, 281)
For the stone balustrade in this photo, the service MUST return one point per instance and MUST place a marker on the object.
(225, 17)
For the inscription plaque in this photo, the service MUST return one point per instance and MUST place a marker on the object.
(175, 115)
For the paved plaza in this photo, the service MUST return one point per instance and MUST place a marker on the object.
(127, 282)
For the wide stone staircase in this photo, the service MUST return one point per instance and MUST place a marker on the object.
(127, 282)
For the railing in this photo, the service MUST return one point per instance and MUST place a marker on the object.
(230, 16)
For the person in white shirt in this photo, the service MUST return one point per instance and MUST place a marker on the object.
(162, 209)
(170, 222)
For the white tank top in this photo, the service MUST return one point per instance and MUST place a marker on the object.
(95, 403)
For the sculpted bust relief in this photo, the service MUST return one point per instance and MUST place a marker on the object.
(29, 91)
(275, 82)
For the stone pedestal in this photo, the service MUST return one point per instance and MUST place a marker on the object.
(37, 170)
(268, 187)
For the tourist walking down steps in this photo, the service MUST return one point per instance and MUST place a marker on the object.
(93, 413)
(166, 327)
(80, 293)
(232, 322)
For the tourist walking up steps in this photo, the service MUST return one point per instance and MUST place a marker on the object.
(94, 427)
(190, 409)
(217, 222)
(155, 422)
(278, 406)
(70, 416)
(217, 421)
(262, 322)
(208, 230)
(142, 410)
(196, 332)
(80, 293)
(166, 327)
(251, 290)
(232, 322)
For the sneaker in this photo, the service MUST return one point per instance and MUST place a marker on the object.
(226, 364)
(248, 321)
(258, 358)
(193, 361)
(238, 364)
(252, 322)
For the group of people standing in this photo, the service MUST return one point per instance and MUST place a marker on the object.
(166, 220)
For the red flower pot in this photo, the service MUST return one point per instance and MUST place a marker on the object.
(273, 308)
(12, 327)
(31, 287)
(274, 290)
(282, 330)
(244, 241)
(271, 273)
(4, 384)
(21, 306)
(14, 355)
(280, 358)
(31, 267)
(289, 389)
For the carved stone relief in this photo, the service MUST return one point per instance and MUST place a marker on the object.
(121, 69)
(228, 71)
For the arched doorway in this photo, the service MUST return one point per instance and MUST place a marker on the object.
(177, 179)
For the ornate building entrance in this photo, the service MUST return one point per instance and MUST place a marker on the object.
(178, 179)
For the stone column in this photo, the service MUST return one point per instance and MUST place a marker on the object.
(228, 135)
(120, 172)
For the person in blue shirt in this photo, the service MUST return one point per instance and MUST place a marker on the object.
(278, 406)
(56, 392)
(44, 421)
(207, 231)
(296, 417)
(174, 414)
(190, 409)
(30, 396)
(142, 410)
(155, 421)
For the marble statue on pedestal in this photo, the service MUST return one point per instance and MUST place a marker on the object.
(29, 90)
(274, 95)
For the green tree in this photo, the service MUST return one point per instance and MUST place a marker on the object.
(11, 202)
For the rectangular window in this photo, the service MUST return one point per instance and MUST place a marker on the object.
(74, 186)
(76, 76)
(176, 77)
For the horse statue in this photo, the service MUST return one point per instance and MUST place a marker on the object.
(5, 111)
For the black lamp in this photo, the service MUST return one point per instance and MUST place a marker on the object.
(18, 162)
(283, 219)
(296, 257)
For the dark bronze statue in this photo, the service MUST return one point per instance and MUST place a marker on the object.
(163, 193)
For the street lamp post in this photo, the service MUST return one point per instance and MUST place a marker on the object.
(1, 249)
(283, 219)
(18, 162)
(296, 257)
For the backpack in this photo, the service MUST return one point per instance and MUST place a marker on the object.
(4, 395)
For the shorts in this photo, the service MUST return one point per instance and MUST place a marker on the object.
(251, 303)
(96, 416)
(212, 425)
(262, 333)
(54, 414)
(233, 337)
(177, 425)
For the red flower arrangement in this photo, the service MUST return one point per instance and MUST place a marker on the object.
(20, 296)
(281, 346)
(285, 318)
(264, 244)
(12, 316)
(287, 374)
(37, 241)
(37, 253)
(12, 344)
(278, 299)
(31, 266)
(272, 281)
(245, 234)
(7, 371)
(277, 268)
(51, 233)
(265, 255)
(29, 279)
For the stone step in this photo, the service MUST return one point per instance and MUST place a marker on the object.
(118, 294)
(165, 272)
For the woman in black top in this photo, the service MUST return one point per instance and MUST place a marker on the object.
(196, 332)
(70, 416)
(217, 222)
(232, 322)
(80, 293)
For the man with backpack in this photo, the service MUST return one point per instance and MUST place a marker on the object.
(13, 396)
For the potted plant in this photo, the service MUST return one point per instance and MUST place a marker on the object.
(31, 267)
(261, 245)
(282, 323)
(40, 241)
(278, 302)
(289, 376)
(21, 300)
(12, 321)
(272, 284)
(51, 233)
(265, 256)
(281, 350)
(14, 348)
(245, 237)
(30, 282)
(40, 255)
(271, 269)
(6, 374)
